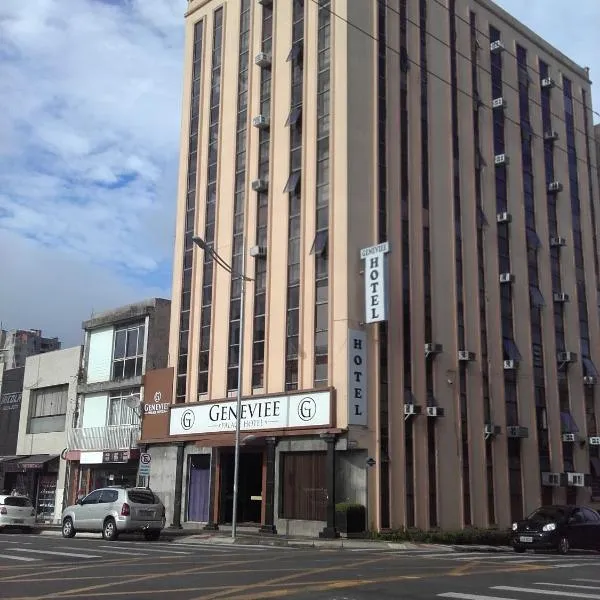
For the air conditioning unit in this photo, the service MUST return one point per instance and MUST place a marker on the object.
(560, 297)
(589, 380)
(576, 479)
(506, 277)
(499, 102)
(557, 241)
(594, 440)
(432, 349)
(569, 437)
(263, 60)
(500, 159)
(551, 136)
(551, 479)
(516, 431)
(260, 185)
(567, 357)
(490, 430)
(547, 82)
(510, 365)
(555, 186)
(435, 411)
(258, 251)
(466, 356)
(503, 217)
(496, 47)
(411, 409)
(261, 122)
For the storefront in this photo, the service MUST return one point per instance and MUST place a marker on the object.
(292, 459)
(92, 470)
(35, 477)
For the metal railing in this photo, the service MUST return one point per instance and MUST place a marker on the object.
(111, 437)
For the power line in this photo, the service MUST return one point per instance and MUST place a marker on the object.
(506, 83)
(405, 57)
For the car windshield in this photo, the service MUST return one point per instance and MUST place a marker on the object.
(547, 513)
(17, 501)
(142, 497)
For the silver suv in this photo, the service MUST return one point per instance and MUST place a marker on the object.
(114, 510)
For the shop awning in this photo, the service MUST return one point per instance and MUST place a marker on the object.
(6, 460)
(35, 462)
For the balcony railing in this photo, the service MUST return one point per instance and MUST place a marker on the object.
(113, 437)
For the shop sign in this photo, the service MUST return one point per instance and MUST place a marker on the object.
(156, 406)
(357, 377)
(376, 301)
(276, 412)
(118, 456)
(10, 401)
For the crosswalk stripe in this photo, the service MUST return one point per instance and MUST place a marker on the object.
(111, 551)
(161, 550)
(508, 588)
(23, 558)
(569, 585)
(460, 596)
(54, 553)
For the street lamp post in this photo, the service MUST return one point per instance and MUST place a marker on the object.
(238, 412)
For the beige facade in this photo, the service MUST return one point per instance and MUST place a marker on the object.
(430, 471)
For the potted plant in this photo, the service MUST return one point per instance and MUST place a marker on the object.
(350, 518)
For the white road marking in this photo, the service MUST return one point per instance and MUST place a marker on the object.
(569, 585)
(96, 549)
(54, 553)
(509, 588)
(161, 550)
(470, 596)
(23, 558)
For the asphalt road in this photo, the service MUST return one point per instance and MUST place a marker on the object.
(40, 567)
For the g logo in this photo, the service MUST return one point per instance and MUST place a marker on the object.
(307, 409)
(157, 397)
(187, 419)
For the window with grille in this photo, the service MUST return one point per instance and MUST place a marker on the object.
(48, 409)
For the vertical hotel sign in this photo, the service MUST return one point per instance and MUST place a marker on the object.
(376, 297)
(357, 377)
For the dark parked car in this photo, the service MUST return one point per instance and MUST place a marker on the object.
(559, 528)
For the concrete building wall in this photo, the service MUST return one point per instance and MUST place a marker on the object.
(47, 370)
(435, 458)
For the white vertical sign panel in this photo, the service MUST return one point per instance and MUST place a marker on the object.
(376, 296)
(357, 377)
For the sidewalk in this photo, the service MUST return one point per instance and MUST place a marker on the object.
(251, 537)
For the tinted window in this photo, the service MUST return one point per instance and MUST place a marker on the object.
(92, 498)
(109, 496)
(590, 515)
(547, 513)
(577, 516)
(142, 497)
(17, 501)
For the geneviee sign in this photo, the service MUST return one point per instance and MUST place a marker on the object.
(275, 412)
(376, 304)
(357, 377)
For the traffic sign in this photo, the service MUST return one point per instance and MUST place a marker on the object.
(144, 466)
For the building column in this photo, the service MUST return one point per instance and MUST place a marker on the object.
(212, 524)
(330, 531)
(176, 524)
(269, 524)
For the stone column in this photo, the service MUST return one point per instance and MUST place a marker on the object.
(330, 531)
(176, 524)
(212, 524)
(269, 524)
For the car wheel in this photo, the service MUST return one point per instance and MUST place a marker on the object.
(563, 545)
(519, 549)
(151, 536)
(68, 531)
(109, 530)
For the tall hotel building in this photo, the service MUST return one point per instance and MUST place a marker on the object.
(410, 187)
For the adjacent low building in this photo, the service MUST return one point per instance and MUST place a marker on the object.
(120, 345)
(11, 388)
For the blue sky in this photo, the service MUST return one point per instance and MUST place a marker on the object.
(90, 105)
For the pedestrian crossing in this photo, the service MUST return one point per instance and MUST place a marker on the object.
(576, 589)
(20, 552)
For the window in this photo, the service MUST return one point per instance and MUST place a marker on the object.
(292, 183)
(535, 294)
(319, 247)
(128, 357)
(48, 409)
(567, 423)
(511, 352)
(294, 116)
(109, 496)
(118, 411)
(589, 369)
(93, 498)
